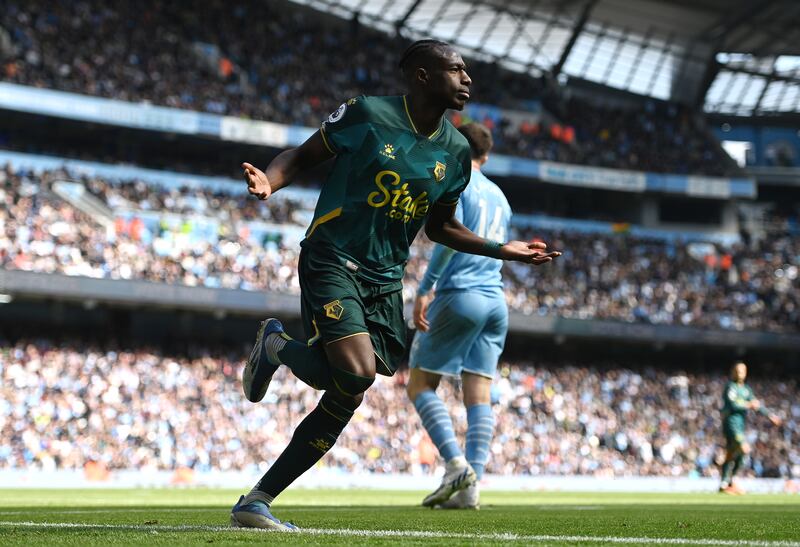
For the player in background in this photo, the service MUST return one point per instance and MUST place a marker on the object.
(737, 399)
(461, 332)
(400, 164)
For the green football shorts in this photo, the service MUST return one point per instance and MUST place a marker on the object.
(336, 304)
(734, 435)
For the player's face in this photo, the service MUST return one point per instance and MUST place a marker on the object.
(449, 80)
(740, 372)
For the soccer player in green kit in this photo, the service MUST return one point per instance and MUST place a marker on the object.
(737, 399)
(400, 164)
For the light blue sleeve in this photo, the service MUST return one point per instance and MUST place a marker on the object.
(459, 214)
(439, 259)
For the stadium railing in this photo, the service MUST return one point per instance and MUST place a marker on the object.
(262, 304)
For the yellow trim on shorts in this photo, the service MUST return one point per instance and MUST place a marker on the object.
(382, 362)
(348, 336)
(317, 335)
(323, 219)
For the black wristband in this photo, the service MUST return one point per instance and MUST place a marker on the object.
(492, 248)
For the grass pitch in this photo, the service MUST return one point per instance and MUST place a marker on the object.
(359, 517)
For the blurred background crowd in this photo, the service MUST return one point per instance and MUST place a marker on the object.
(65, 405)
(201, 60)
(70, 404)
(197, 237)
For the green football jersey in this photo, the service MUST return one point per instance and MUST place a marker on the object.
(385, 179)
(735, 398)
(734, 404)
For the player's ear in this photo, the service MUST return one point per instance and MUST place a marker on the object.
(422, 75)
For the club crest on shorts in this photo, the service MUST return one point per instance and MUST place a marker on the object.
(438, 171)
(334, 310)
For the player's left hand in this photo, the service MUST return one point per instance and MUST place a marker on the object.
(775, 419)
(529, 253)
(257, 181)
(421, 304)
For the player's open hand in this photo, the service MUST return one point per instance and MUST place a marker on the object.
(775, 419)
(421, 304)
(530, 253)
(257, 181)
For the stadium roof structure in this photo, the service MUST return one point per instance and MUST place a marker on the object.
(736, 56)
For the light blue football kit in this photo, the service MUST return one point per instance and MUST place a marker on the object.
(469, 315)
(468, 325)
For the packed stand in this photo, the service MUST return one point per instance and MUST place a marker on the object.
(232, 206)
(40, 232)
(63, 406)
(616, 277)
(636, 280)
(655, 137)
(200, 60)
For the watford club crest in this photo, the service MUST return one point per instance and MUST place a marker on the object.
(438, 171)
(334, 310)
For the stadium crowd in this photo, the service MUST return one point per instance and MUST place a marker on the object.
(619, 277)
(643, 139)
(200, 60)
(631, 279)
(64, 405)
(41, 232)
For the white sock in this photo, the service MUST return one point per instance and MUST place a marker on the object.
(454, 463)
(273, 344)
(258, 495)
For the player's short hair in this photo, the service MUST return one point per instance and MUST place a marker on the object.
(479, 138)
(420, 53)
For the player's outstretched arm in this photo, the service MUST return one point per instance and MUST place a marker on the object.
(442, 227)
(285, 167)
(756, 405)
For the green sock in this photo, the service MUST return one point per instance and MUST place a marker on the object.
(315, 435)
(737, 464)
(308, 363)
(727, 470)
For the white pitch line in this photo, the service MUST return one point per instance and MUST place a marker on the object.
(569, 507)
(417, 534)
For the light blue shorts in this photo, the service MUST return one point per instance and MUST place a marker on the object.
(467, 334)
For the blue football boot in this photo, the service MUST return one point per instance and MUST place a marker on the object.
(263, 361)
(257, 515)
